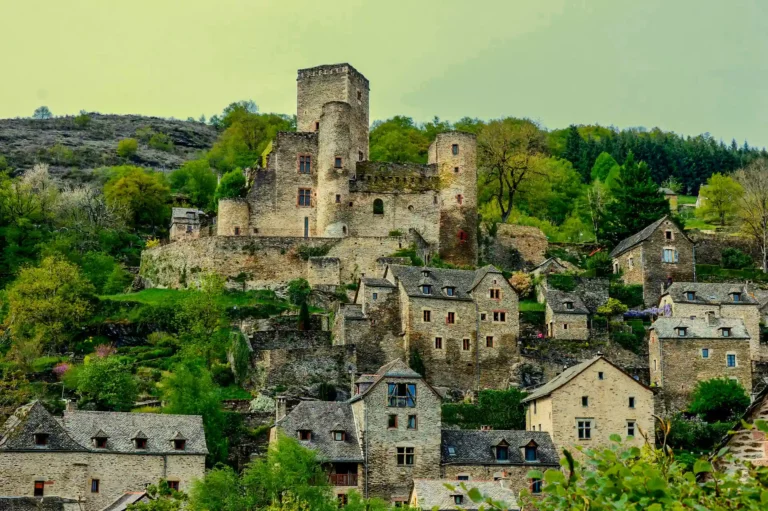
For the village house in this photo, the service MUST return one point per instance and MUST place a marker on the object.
(696, 300)
(587, 403)
(671, 197)
(553, 265)
(566, 316)
(390, 434)
(748, 445)
(433, 494)
(96, 457)
(462, 323)
(186, 223)
(683, 351)
(655, 257)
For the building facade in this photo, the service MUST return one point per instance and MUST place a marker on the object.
(566, 316)
(96, 457)
(655, 257)
(587, 403)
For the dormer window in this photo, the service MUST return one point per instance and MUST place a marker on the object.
(690, 296)
(339, 436)
(458, 499)
(305, 435)
(450, 291)
(681, 331)
(41, 439)
(502, 452)
(725, 332)
(100, 442)
(568, 305)
(426, 290)
(532, 452)
(179, 445)
(139, 440)
(736, 297)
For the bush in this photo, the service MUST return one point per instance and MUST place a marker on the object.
(82, 120)
(305, 251)
(145, 133)
(395, 233)
(561, 281)
(222, 375)
(630, 295)
(298, 291)
(626, 340)
(231, 185)
(735, 259)
(601, 264)
(161, 142)
(522, 283)
(410, 253)
(612, 307)
(719, 400)
(127, 148)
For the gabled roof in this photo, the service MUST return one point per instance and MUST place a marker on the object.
(556, 300)
(321, 418)
(127, 499)
(554, 261)
(18, 433)
(709, 293)
(434, 494)
(394, 369)
(373, 282)
(639, 237)
(475, 447)
(699, 328)
(569, 374)
(413, 278)
(120, 427)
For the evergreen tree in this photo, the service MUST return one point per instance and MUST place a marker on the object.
(575, 151)
(638, 202)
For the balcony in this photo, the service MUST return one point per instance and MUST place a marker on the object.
(343, 479)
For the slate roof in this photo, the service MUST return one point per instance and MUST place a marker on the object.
(394, 369)
(561, 379)
(18, 432)
(353, 311)
(38, 504)
(699, 328)
(556, 300)
(475, 447)
(553, 261)
(413, 277)
(636, 238)
(322, 417)
(433, 494)
(370, 281)
(120, 428)
(710, 293)
(126, 499)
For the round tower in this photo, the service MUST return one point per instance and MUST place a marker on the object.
(335, 164)
(455, 154)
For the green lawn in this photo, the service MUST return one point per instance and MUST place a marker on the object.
(531, 306)
(166, 296)
(686, 199)
(696, 223)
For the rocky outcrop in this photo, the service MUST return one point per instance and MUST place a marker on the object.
(69, 148)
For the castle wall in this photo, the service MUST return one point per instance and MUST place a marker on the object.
(323, 271)
(335, 166)
(234, 218)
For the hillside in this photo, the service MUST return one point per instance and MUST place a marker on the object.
(92, 143)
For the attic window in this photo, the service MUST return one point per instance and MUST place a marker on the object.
(502, 453)
(339, 436)
(305, 434)
(736, 297)
(668, 235)
(100, 442)
(531, 452)
(450, 291)
(451, 450)
(726, 332)
(140, 443)
(425, 273)
(568, 305)
(401, 395)
(41, 439)
(426, 290)
(179, 444)
(458, 499)
(690, 295)
(681, 330)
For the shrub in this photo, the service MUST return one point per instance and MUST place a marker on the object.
(222, 375)
(395, 233)
(127, 147)
(735, 259)
(305, 251)
(82, 120)
(417, 363)
(298, 291)
(719, 400)
(601, 264)
(626, 340)
(522, 283)
(326, 392)
(410, 253)
(561, 281)
(631, 295)
(612, 307)
(161, 142)
(145, 133)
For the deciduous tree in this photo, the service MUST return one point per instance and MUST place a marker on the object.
(720, 199)
(753, 206)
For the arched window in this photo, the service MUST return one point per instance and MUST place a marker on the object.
(378, 207)
(463, 237)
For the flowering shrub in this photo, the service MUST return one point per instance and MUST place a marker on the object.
(104, 350)
(60, 369)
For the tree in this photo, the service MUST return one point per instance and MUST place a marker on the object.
(201, 322)
(190, 390)
(161, 498)
(127, 147)
(49, 302)
(637, 202)
(197, 181)
(299, 291)
(603, 166)
(753, 206)
(232, 185)
(108, 384)
(83, 120)
(42, 112)
(501, 409)
(721, 196)
(144, 193)
(507, 151)
(398, 140)
(304, 316)
(719, 400)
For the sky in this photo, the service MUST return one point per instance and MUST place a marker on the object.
(688, 66)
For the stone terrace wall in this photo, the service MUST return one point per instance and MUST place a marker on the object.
(517, 247)
(709, 247)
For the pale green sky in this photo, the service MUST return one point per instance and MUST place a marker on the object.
(689, 66)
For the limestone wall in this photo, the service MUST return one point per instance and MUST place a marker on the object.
(233, 218)
(517, 247)
(515, 476)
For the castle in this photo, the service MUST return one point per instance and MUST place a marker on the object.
(318, 184)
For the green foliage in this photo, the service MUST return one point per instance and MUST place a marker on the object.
(719, 400)
(107, 384)
(715, 273)
(161, 498)
(299, 291)
(127, 147)
(409, 252)
(612, 307)
(99, 268)
(735, 259)
(161, 142)
(190, 390)
(303, 323)
(4, 164)
(196, 180)
(600, 264)
(42, 112)
(720, 199)
(398, 140)
(83, 120)
(232, 185)
(241, 357)
(603, 167)
(562, 281)
(307, 251)
(501, 409)
(144, 193)
(416, 362)
(60, 154)
(696, 436)
(200, 320)
(631, 295)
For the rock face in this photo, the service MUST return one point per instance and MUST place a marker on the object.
(67, 147)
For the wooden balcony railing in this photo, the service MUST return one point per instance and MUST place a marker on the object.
(343, 479)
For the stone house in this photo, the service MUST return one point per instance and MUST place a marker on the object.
(432, 494)
(553, 265)
(462, 323)
(566, 316)
(683, 351)
(497, 455)
(671, 197)
(655, 257)
(96, 457)
(186, 223)
(696, 300)
(748, 445)
(588, 402)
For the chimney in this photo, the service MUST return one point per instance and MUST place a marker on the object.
(486, 428)
(281, 408)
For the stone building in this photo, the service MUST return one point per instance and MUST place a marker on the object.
(655, 257)
(433, 494)
(96, 457)
(319, 182)
(696, 300)
(186, 223)
(566, 316)
(462, 323)
(497, 455)
(683, 351)
(671, 197)
(748, 445)
(553, 265)
(587, 403)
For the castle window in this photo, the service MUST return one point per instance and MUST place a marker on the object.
(405, 456)
(41, 439)
(344, 229)
(255, 230)
(482, 316)
(304, 164)
(378, 207)
(438, 343)
(427, 316)
(39, 488)
(668, 235)
(94, 486)
(462, 237)
(337, 162)
(305, 434)
(401, 395)
(460, 199)
(704, 352)
(489, 341)
(434, 199)
(375, 296)
(565, 326)
(730, 360)
(499, 316)
(495, 294)
(584, 401)
(455, 149)
(189, 228)
(305, 197)
(360, 156)
(465, 344)
(317, 125)
(726, 332)
(338, 199)
(450, 319)
(600, 375)
(456, 170)
(350, 204)
(237, 231)
(359, 95)
(392, 421)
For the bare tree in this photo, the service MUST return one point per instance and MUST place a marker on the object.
(753, 205)
(507, 150)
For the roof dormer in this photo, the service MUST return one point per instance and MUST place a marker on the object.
(568, 305)
(501, 451)
(99, 440)
(41, 437)
(681, 331)
(449, 291)
(179, 442)
(139, 440)
(531, 452)
(690, 295)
